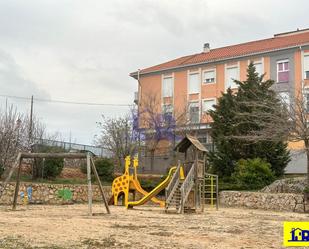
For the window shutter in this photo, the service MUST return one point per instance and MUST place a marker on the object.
(258, 68)
(194, 83)
(167, 87)
(208, 104)
(231, 75)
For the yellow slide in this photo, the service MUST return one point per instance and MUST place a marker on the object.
(139, 189)
(155, 191)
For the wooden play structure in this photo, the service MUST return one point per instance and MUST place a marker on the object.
(188, 194)
(85, 155)
(187, 186)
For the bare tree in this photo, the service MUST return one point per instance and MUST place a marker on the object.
(158, 123)
(14, 134)
(298, 111)
(117, 136)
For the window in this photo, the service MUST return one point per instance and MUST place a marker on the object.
(205, 139)
(259, 68)
(208, 104)
(194, 83)
(194, 112)
(167, 87)
(283, 71)
(285, 98)
(209, 77)
(231, 75)
(167, 110)
(306, 66)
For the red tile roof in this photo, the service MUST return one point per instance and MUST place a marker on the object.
(280, 41)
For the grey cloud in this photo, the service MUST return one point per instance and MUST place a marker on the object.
(13, 81)
(84, 51)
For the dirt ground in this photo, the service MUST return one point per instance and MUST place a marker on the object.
(144, 227)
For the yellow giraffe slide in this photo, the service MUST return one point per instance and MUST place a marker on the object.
(129, 181)
(155, 191)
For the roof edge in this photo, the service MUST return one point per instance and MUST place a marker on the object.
(135, 74)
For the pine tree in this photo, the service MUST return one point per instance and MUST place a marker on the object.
(249, 124)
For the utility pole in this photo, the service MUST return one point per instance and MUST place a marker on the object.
(31, 122)
(30, 136)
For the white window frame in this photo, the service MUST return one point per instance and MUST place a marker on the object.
(237, 66)
(168, 104)
(199, 81)
(199, 110)
(209, 70)
(162, 85)
(208, 99)
(282, 61)
(163, 110)
(306, 67)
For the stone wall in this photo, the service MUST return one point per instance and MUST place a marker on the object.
(43, 193)
(259, 200)
(288, 185)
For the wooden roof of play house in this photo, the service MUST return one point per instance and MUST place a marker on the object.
(187, 141)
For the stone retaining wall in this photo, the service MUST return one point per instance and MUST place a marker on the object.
(45, 193)
(259, 200)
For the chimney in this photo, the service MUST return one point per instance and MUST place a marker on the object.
(206, 48)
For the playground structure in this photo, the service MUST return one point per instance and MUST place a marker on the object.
(85, 155)
(187, 186)
(188, 194)
(128, 183)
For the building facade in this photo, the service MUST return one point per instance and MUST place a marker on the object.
(195, 82)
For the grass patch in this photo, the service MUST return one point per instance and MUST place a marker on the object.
(18, 242)
(109, 242)
(128, 227)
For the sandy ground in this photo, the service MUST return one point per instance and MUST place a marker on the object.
(144, 227)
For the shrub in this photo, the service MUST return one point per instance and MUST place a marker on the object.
(253, 173)
(52, 167)
(105, 168)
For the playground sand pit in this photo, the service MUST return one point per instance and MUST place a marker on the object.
(144, 227)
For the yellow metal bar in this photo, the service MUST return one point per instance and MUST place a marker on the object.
(211, 191)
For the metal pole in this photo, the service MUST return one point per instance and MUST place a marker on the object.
(217, 193)
(211, 191)
(89, 185)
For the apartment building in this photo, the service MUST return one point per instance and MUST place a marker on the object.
(195, 82)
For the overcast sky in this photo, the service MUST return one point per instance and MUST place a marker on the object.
(77, 50)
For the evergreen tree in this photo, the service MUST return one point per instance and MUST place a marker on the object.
(247, 125)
